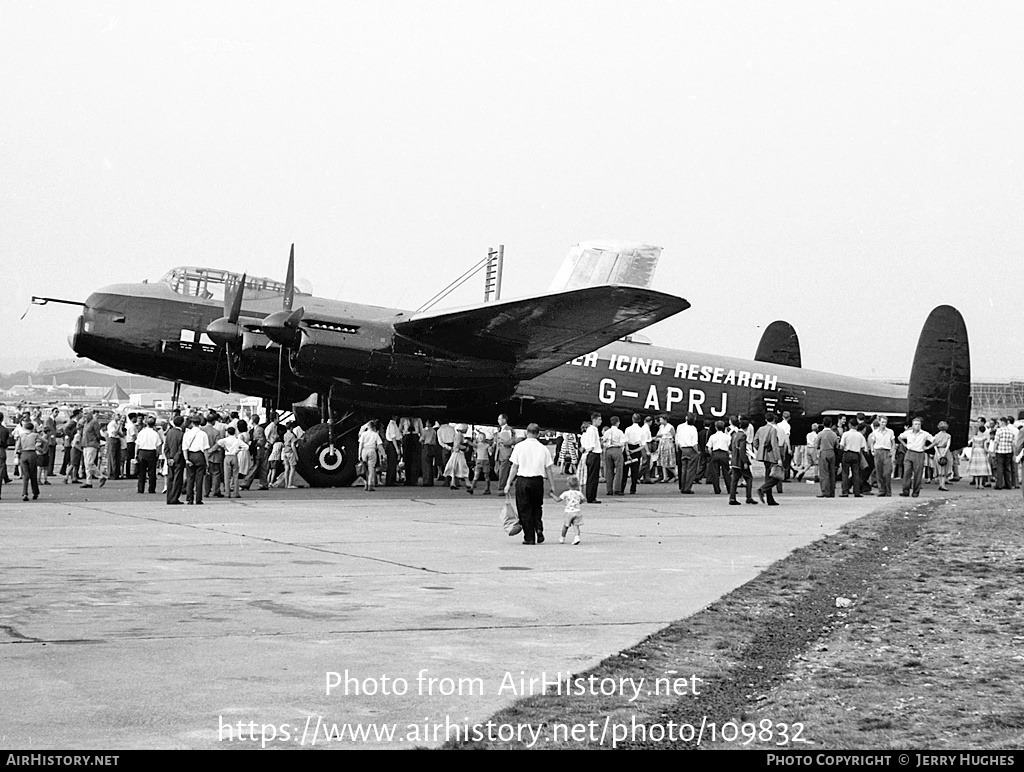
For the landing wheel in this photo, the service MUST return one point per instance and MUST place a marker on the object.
(323, 466)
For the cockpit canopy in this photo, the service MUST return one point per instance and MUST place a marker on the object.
(213, 284)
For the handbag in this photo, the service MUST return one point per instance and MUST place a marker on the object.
(510, 517)
(777, 473)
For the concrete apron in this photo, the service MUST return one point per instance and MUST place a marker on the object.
(126, 623)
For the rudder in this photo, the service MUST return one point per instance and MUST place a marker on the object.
(940, 380)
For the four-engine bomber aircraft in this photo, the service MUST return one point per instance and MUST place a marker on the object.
(550, 358)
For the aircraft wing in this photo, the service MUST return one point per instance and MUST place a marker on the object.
(536, 334)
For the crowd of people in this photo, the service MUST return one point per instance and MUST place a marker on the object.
(209, 453)
(859, 455)
(197, 453)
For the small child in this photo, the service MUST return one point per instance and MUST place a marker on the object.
(483, 462)
(275, 464)
(573, 498)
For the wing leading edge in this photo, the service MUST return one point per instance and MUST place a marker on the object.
(536, 334)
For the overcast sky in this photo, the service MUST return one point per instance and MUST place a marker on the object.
(843, 166)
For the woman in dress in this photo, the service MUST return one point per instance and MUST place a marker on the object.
(943, 458)
(666, 450)
(457, 468)
(978, 469)
(244, 455)
(569, 456)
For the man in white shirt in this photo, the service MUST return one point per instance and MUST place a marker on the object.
(147, 446)
(194, 445)
(917, 442)
(638, 437)
(531, 463)
(882, 446)
(392, 448)
(231, 445)
(783, 430)
(591, 445)
(853, 445)
(614, 442)
(719, 447)
(687, 454)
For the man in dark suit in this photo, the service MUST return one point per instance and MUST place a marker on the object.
(175, 461)
(739, 461)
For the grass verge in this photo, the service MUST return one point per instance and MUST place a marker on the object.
(927, 654)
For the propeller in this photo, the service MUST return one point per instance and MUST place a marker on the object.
(226, 330)
(282, 326)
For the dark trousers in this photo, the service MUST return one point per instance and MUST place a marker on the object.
(747, 477)
(431, 460)
(593, 475)
(703, 462)
(175, 480)
(29, 472)
(631, 470)
(146, 470)
(687, 463)
(504, 468)
(411, 454)
(128, 461)
(769, 482)
(718, 467)
(1002, 467)
(851, 472)
(392, 455)
(913, 471)
(214, 477)
(194, 475)
(883, 472)
(530, 504)
(260, 467)
(827, 472)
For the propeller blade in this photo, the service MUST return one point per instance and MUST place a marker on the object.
(289, 282)
(227, 347)
(236, 303)
(280, 375)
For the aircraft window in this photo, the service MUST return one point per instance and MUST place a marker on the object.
(214, 284)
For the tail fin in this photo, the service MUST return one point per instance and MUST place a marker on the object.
(779, 345)
(940, 380)
(592, 263)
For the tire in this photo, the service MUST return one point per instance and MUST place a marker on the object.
(316, 465)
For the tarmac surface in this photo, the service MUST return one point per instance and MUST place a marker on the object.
(126, 623)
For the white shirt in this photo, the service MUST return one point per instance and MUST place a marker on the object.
(686, 436)
(531, 457)
(613, 437)
(147, 439)
(591, 440)
(231, 445)
(783, 430)
(882, 439)
(391, 434)
(195, 440)
(719, 441)
(916, 440)
(637, 434)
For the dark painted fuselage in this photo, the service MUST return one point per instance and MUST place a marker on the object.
(152, 330)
